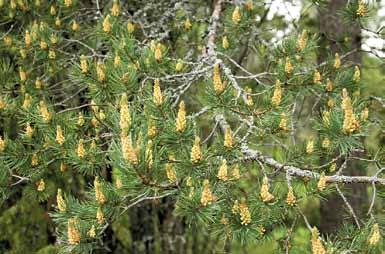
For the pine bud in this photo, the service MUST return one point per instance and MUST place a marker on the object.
(207, 196)
(100, 71)
(317, 79)
(3, 104)
(249, 99)
(81, 152)
(265, 194)
(291, 199)
(244, 213)
(228, 142)
(187, 24)
(375, 236)
(68, 3)
(29, 130)
(196, 153)
(43, 45)
(117, 61)
(249, 5)
(277, 95)
(34, 160)
(92, 232)
(75, 26)
(337, 61)
(158, 52)
(128, 151)
(235, 207)
(283, 122)
(350, 123)
(63, 167)
(73, 233)
(331, 103)
(151, 128)
(27, 39)
(236, 173)
(316, 244)
(326, 143)
(53, 38)
(81, 120)
(45, 114)
(321, 185)
(57, 22)
(310, 147)
(364, 114)
(181, 118)
(83, 64)
(236, 17)
(288, 66)
(106, 24)
(225, 42)
(170, 172)
(51, 54)
(333, 167)
(357, 74)
(222, 173)
(40, 185)
(61, 204)
(38, 84)
(362, 11)
(301, 43)
(8, 40)
(149, 154)
(23, 75)
(179, 65)
(125, 117)
(98, 191)
(130, 27)
(100, 216)
(329, 85)
(60, 139)
(115, 9)
(157, 94)
(217, 81)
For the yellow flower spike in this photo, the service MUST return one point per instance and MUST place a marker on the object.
(22, 74)
(288, 66)
(362, 10)
(228, 141)
(217, 81)
(316, 244)
(125, 116)
(317, 78)
(357, 74)
(99, 195)
(179, 65)
(61, 204)
(264, 193)
(43, 45)
(57, 22)
(235, 207)
(117, 61)
(364, 114)
(75, 26)
(321, 185)
(170, 172)
(375, 235)
(2, 144)
(181, 118)
(283, 122)
(326, 143)
(350, 123)
(68, 3)
(128, 151)
(92, 232)
(158, 52)
(100, 216)
(34, 160)
(40, 185)
(44, 112)
(224, 220)
(337, 61)
(130, 27)
(29, 130)
(157, 94)
(236, 16)
(329, 85)
(83, 64)
(225, 42)
(310, 146)
(222, 172)
(115, 9)
(53, 38)
(187, 24)
(100, 71)
(80, 151)
(236, 173)
(244, 213)
(196, 153)
(302, 40)
(27, 39)
(60, 139)
(291, 199)
(81, 120)
(38, 84)
(73, 233)
(106, 24)
(207, 196)
(151, 128)
(277, 95)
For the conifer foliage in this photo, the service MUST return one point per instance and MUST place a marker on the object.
(143, 107)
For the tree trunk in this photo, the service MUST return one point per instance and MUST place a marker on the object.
(334, 34)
